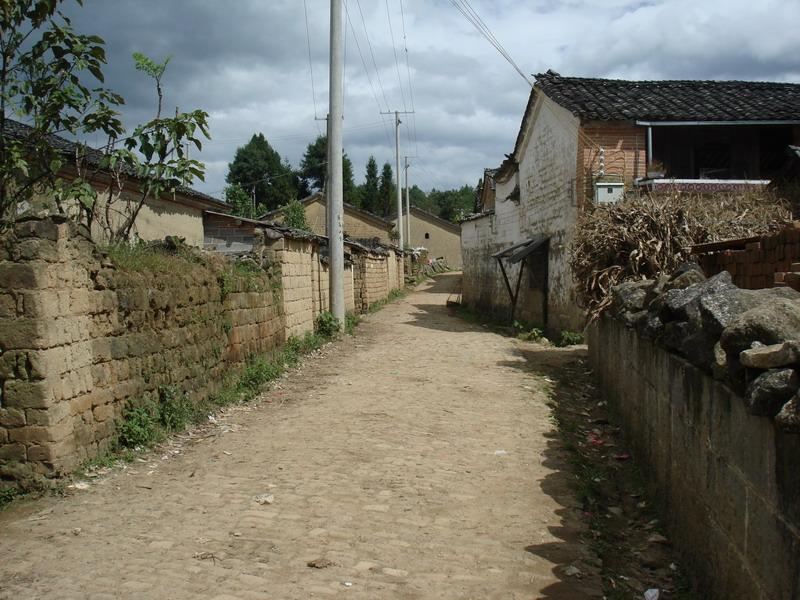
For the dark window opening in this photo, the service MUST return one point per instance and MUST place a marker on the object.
(721, 152)
(427, 236)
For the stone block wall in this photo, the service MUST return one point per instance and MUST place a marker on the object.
(297, 282)
(376, 279)
(390, 271)
(359, 277)
(81, 339)
(726, 481)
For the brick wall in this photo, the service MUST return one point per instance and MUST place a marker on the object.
(773, 260)
(376, 280)
(295, 258)
(625, 148)
(82, 339)
(547, 206)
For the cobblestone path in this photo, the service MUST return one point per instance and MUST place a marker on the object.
(417, 458)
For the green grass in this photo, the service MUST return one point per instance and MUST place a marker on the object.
(146, 423)
(569, 338)
(351, 321)
(7, 495)
(145, 257)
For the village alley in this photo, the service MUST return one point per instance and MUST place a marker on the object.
(414, 460)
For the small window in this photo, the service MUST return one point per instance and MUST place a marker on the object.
(427, 236)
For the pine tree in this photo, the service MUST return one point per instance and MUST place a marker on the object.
(370, 193)
(387, 189)
(314, 169)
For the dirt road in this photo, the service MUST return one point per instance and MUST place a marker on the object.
(417, 458)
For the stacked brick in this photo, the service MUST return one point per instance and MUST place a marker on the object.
(295, 258)
(771, 261)
(82, 339)
(376, 280)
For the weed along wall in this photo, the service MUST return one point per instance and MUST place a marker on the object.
(85, 336)
(715, 420)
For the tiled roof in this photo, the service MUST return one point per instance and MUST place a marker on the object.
(619, 100)
(321, 197)
(94, 156)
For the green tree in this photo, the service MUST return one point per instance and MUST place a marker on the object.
(257, 166)
(44, 82)
(370, 192)
(48, 80)
(418, 197)
(157, 152)
(313, 167)
(240, 201)
(453, 205)
(387, 190)
(294, 215)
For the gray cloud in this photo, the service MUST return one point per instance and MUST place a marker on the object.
(246, 63)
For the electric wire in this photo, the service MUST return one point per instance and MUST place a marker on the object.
(311, 67)
(366, 70)
(410, 88)
(472, 16)
(396, 61)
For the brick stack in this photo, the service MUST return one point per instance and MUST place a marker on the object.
(768, 262)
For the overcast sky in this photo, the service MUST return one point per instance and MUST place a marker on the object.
(246, 63)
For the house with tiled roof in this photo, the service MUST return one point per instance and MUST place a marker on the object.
(359, 224)
(178, 213)
(441, 238)
(587, 140)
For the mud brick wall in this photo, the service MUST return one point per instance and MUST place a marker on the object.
(761, 263)
(726, 481)
(390, 271)
(359, 282)
(376, 279)
(297, 281)
(349, 290)
(81, 339)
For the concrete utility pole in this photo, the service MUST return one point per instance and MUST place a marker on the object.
(335, 203)
(397, 122)
(408, 209)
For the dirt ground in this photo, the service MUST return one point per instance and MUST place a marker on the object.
(415, 460)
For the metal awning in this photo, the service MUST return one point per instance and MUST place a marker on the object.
(521, 251)
(515, 254)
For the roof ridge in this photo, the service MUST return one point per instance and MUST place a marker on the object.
(570, 78)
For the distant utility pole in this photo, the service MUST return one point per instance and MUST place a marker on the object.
(397, 122)
(408, 209)
(335, 203)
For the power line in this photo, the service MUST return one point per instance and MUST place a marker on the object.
(472, 16)
(372, 53)
(408, 72)
(311, 66)
(366, 70)
(396, 61)
(374, 62)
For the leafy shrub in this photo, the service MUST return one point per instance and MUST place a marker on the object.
(327, 325)
(570, 338)
(139, 426)
(294, 215)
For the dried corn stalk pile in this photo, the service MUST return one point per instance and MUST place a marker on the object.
(643, 236)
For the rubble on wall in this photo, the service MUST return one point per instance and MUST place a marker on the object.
(749, 339)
